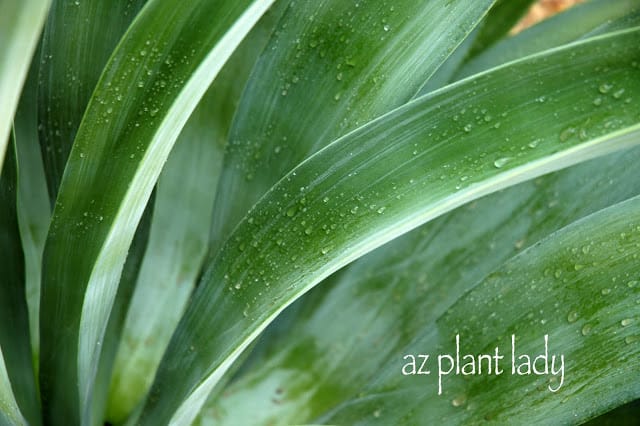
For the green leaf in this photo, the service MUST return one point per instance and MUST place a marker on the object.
(34, 212)
(20, 25)
(579, 287)
(15, 344)
(625, 414)
(10, 414)
(177, 247)
(502, 17)
(387, 298)
(390, 176)
(75, 53)
(331, 67)
(588, 19)
(180, 237)
(114, 332)
(164, 64)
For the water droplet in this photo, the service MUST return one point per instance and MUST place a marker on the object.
(468, 128)
(292, 211)
(605, 88)
(567, 133)
(386, 27)
(618, 93)
(308, 231)
(377, 413)
(459, 400)
(631, 339)
(632, 283)
(597, 101)
(501, 162)
(605, 291)
(626, 322)
(573, 316)
(586, 330)
(534, 143)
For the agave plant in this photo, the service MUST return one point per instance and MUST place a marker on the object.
(262, 212)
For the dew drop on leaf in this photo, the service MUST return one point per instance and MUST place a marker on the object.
(501, 162)
(459, 400)
(605, 88)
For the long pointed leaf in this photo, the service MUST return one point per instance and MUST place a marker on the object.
(15, 343)
(180, 238)
(388, 177)
(579, 287)
(388, 298)
(75, 53)
(577, 22)
(34, 211)
(20, 25)
(331, 66)
(166, 61)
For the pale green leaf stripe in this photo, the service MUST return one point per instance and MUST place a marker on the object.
(20, 25)
(180, 236)
(164, 64)
(332, 66)
(410, 166)
(34, 211)
(385, 300)
(177, 246)
(10, 414)
(580, 286)
(566, 27)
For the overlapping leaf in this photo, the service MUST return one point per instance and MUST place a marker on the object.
(20, 26)
(390, 176)
(331, 66)
(164, 65)
(390, 297)
(15, 345)
(579, 288)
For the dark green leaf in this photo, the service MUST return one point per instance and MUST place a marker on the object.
(390, 176)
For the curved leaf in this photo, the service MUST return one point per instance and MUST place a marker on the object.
(74, 53)
(388, 177)
(331, 66)
(502, 17)
(386, 299)
(20, 26)
(15, 343)
(164, 64)
(579, 288)
(10, 414)
(34, 212)
(180, 238)
(588, 19)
